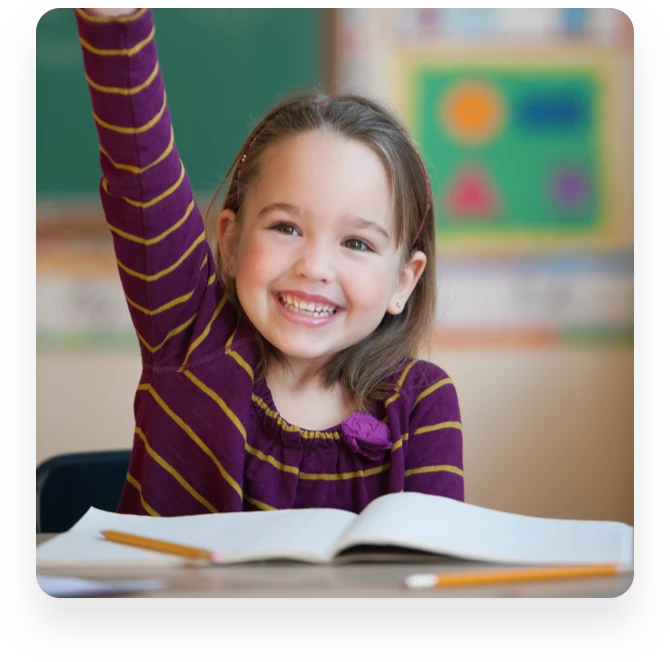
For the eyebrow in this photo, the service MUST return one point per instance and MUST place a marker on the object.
(296, 211)
(280, 206)
(364, 223)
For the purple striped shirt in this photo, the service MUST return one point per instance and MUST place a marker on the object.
(208, 436)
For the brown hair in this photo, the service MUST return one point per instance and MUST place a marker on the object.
(365, 367)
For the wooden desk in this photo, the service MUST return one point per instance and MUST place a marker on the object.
(374, 580)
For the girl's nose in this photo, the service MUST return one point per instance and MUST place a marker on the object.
(316, 262)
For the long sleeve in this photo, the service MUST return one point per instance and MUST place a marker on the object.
(434, 459)
(164, 262)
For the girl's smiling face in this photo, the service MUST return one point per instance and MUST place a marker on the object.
(315, 261)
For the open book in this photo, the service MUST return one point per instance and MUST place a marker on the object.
(406, 522)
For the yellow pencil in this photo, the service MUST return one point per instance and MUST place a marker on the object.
(510, 575)
(161, 546)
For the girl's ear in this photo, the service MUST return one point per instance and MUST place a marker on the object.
(407, 279)
(227, 240)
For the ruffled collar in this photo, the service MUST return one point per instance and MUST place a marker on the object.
(363, 434)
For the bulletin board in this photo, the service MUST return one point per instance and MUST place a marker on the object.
(519, 152)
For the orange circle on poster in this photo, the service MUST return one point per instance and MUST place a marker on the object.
(472, 112)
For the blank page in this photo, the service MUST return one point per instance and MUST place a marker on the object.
(445, 526)
(306, 535)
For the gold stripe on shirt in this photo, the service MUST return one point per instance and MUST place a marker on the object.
(136, 169)
(125, 91)
(138, 487)
(439, 426)
(194, 345)
(132, 130)
(111, 19)
(153, 201)
(231, 352)
(401, 381)
(433, 388)
(154, 240)
(439, 467)
(171, 334)
(169, 304)
(345, 476)
(271, 460)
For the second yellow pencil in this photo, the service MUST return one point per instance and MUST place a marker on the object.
(509, 575)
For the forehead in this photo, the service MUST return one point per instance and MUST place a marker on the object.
(325, 174)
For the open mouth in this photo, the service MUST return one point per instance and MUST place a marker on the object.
(307, 308)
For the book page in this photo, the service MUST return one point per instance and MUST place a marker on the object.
(443, 526)
(301, 535)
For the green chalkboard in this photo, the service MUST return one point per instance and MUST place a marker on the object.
(223, 68)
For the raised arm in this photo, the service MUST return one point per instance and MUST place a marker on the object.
(165, 265)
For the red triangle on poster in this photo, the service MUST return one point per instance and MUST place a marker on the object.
(471, 195)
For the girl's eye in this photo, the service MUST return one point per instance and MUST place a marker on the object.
(357, 244)
(285, 228)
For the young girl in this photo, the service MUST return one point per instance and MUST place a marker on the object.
(278, 367)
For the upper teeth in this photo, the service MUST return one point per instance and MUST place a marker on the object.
(308, 306)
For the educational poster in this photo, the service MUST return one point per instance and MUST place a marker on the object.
(517, 154)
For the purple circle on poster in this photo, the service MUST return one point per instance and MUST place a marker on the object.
(570, 187)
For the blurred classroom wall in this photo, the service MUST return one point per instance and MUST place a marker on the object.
(524, 118)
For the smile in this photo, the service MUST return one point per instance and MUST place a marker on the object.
(311, 314)
(307, 308)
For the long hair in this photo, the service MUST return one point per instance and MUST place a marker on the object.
(364, 368)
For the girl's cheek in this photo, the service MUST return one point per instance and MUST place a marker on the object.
(369, 287)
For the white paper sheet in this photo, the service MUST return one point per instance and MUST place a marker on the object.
(444, 526)
(305, 535)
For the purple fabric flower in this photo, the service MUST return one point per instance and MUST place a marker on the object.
(366, 436)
